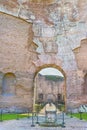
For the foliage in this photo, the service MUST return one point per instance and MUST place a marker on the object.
(38, 107)
(54, 78)
(60, 106)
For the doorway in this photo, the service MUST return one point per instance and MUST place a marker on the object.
(49, 87)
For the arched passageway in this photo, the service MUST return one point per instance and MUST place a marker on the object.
(50, 86)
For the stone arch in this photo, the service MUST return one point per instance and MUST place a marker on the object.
(47, 66)
(39, 68)
(8, 84)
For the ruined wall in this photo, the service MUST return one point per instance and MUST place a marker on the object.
(48, 39)
(81, 58)
(49, 87)
(81, 55)
(16, 59)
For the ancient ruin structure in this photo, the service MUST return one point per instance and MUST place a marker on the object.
(35, 34)
(48, 90)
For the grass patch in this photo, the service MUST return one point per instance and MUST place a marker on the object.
(11, 116)
(77, 115)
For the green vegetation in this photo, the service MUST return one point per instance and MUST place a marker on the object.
(77, 115)
(38, 107)
(61, 107)
(11, 116)
(54, 78)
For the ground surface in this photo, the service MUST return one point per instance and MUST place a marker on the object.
(25, 124)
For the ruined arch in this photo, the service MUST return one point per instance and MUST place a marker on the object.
(47, 66)
(8, 84)
(39, 68)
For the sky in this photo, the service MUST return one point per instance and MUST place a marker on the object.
(51, 71)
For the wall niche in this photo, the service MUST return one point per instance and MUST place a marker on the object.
(9, 84)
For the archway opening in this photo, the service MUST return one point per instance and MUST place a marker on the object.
(49, 87)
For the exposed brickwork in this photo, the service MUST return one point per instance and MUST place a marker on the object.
(49, 88)
(49, 38)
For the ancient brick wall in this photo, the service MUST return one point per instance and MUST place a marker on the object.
(15, 42)
(48, 87)
(39, 35)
